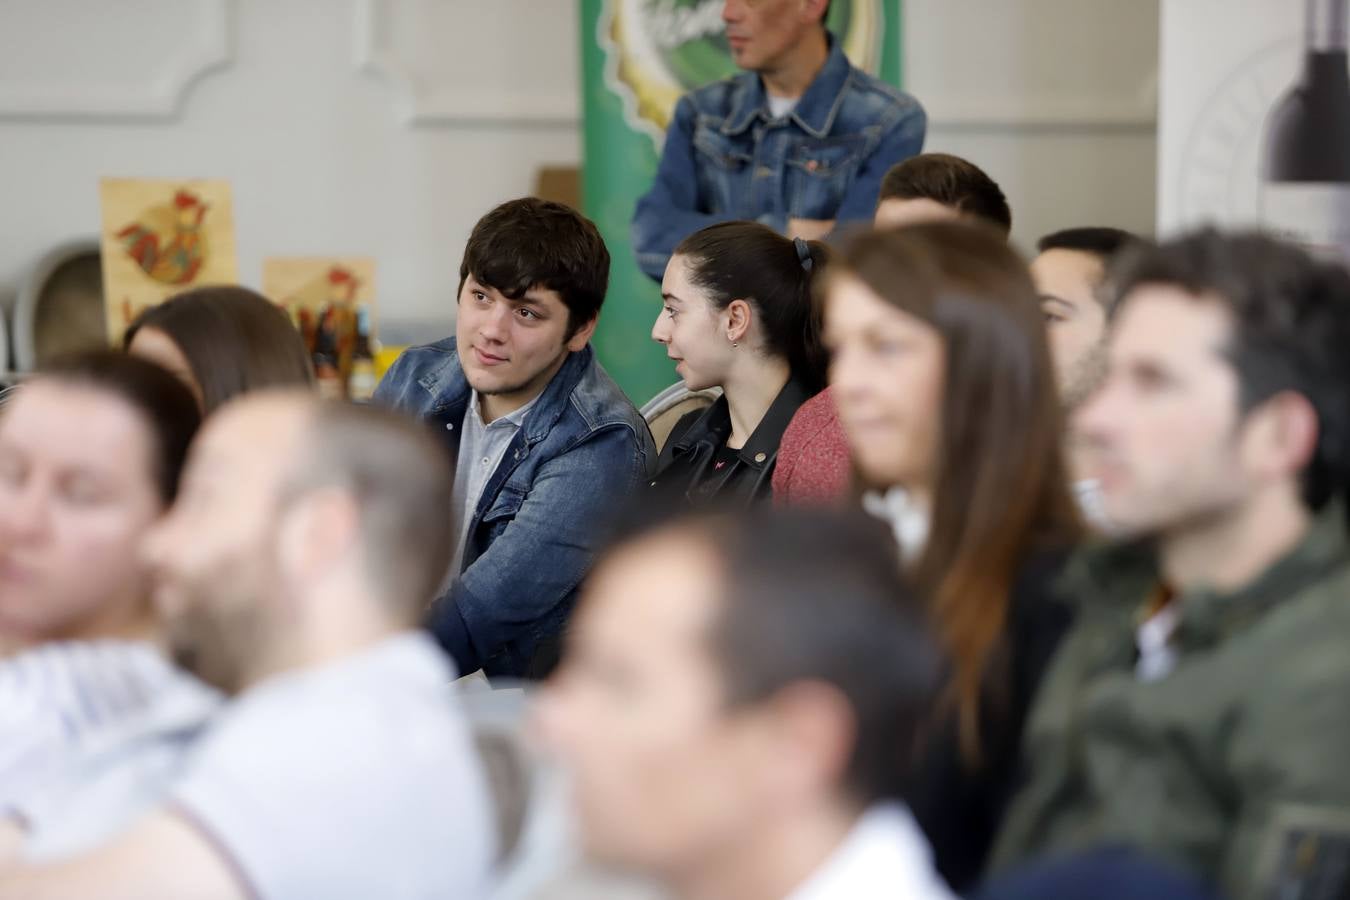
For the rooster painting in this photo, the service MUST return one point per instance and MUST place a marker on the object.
(168, 244)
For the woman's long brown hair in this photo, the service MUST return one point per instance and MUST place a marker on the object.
(234, 339)
(1001, 491)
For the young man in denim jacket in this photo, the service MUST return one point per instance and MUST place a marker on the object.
(798, 141)
(546, 444)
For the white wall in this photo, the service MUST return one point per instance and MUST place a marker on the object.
(1055, 99)
(323, 156)
(386, 127)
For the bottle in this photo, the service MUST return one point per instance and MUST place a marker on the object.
(326, 373)
(1305, 191)
(361, 382)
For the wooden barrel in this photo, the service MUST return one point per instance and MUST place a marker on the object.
(60, 306)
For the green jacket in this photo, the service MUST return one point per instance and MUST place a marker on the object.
(1236, 764)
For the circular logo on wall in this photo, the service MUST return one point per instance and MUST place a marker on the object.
(1220, 173)
(658, 50)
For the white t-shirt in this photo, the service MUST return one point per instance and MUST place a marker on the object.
(354, 780)
(908, 521)
(884, 856)
(781, 106)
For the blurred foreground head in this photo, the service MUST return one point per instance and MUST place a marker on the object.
(304, 530)
(90, 452)
(942, 376)
(734, 677)
(1225, 393)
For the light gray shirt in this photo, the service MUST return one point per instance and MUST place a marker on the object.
(72, 713)
(117, 778)
(481, 448)
(350, 781)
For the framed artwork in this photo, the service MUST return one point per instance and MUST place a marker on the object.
(161, 237)
(331, 299)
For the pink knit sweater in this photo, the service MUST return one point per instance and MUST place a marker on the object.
(814, 465)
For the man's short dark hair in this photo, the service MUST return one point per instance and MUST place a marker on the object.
(951, 181)
(816, 596)
(1100, 241)
(1290, 327)
(403, 485)
(529, 243)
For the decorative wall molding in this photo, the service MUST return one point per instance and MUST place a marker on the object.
(158, 95)
(423, 100)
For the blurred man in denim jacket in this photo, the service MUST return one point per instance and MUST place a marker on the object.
(798, 141)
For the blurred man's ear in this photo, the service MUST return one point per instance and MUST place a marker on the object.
(582, 336)
(815, 731)
(318, 530)
(1280, 436)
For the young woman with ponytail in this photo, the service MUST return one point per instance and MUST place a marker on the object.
(737, 314)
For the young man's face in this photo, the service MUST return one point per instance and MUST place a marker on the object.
(762, 33)
(216, 555)
(1068, 282)
(511, 349)
(1164, 428)
(665, 777)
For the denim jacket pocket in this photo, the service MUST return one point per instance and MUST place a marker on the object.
(819, 172)
(500, 514)
(721, 165)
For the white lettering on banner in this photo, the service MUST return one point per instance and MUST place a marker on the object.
(671, 25)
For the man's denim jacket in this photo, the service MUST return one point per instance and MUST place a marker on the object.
(726, 159)
(579, 453)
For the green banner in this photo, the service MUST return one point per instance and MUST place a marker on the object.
(638, 58)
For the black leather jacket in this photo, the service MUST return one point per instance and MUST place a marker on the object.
(686, 460)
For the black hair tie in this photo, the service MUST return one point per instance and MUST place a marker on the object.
(803, 253)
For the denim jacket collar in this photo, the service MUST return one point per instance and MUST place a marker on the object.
(816, 109)
(450, 388)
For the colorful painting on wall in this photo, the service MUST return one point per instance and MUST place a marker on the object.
(162, 237)
(332, 301)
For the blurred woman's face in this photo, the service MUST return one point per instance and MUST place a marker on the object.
(77, 492)
(887, 378)
(157, 347)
